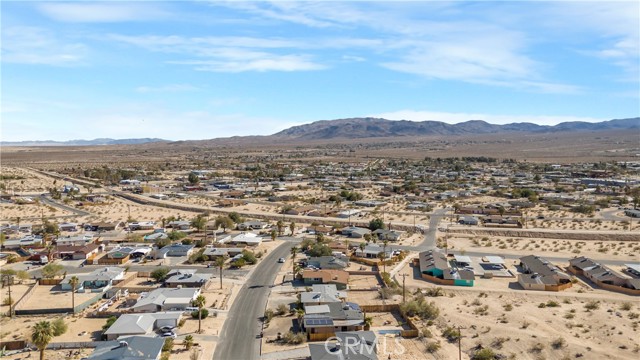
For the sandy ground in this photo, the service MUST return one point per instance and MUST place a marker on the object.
(610, 250)
(514, 318)
(46, 296)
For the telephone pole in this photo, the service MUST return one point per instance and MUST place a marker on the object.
(403, 288)
(9, 280)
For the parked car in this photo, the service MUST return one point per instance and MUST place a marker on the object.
(169, 335)
(167, 329)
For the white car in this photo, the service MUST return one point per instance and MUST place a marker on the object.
(169, 334)
(281, 260)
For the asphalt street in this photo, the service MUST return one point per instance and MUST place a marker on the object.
(240, 337)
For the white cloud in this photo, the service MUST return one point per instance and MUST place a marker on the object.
(101, 12)
(227, 54)
(453, 117)
(37, 46)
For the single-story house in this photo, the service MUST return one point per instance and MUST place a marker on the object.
(339, 278)
(359, 233)
(116, 256)
(102, 226)
(322, 294)
(156, 236)
(320, 229)
(128, 348)
(601, 275)
(179, 224)
(98, 280)
(187, 278)
(173, 250)
(328, 262)
(348, 213)
(247, 238)
(333, 317)
(68, 227)
(361, 345)
(213, 252)
(468, 220)
(435, 263)
(77, 252)
(252, 225)
(141, 324)
(540, 274)
(371, 251)
(166, 299)
(74, 240)
(26, 241)
(390, 235)
(142, 225)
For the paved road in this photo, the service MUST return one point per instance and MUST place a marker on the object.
(50, 202)
(239, 339)
(430, 236)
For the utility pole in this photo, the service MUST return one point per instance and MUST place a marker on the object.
(459, 342)
(9, 279)
(403, 288)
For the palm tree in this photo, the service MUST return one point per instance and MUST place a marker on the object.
(280, 226)
(74, 283)
(274, 235)
(188, 342)
(384, 247)
(294, 252)
(220, 264)
(41, 335)
(346, 244)
(292, 227)
(362, 246)
(199, 302)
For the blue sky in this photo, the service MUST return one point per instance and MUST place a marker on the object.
(199, 70)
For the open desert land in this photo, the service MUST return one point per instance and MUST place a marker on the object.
(522, 324)
(596, 249)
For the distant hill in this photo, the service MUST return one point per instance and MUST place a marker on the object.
(355, 128)
(101, 141)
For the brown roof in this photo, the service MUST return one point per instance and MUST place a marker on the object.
(327, 276)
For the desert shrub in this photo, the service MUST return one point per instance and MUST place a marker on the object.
(421, 308)
(481, 310)
(626, 306)
(450, 333)
(426, 333)
(508, 307)
(294, 338)
(558, 343)
(435, 292)
(387, 293)
(433, 346)
(59, 327)
(282, 309)
(205, 313)
(484, 354)
(168, 345)
(109, 322)
(536, 348)
(499, 341)
(552, 303)
(592, 305)
(7, 301)
(268, 315)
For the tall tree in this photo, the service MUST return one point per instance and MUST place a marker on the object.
(384, 247)
(220, 265)
(41, 336)
(199, 302)
(74, 283)
(294, 252)
(280, 226)
(292, 227)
